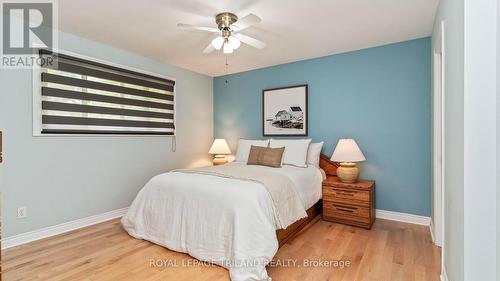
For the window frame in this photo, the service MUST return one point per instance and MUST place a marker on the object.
(37, 97)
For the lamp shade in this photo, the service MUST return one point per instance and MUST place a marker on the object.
(227, 49)
(219, 147)
(347, 150)
(234, 42)
(218, 42)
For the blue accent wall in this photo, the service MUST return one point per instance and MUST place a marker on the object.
(380, 96)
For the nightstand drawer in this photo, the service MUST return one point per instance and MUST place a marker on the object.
(346, 194)
(349, 203)
(345, 210)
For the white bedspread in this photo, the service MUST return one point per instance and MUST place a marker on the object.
(221, 220)
(287, 206)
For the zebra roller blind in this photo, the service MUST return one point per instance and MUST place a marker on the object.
(79, 96)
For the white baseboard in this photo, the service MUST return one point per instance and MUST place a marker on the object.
(45, 232)
(402, 217)
(431, 228)
(443, 276)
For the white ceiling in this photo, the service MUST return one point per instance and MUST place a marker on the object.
(293, 29)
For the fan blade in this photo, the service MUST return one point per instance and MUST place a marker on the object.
(209, 49)
(194, 27)
(250, 41)
(245, 22)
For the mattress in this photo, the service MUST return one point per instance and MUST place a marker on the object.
(225, 221)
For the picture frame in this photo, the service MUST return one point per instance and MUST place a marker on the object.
(284, 111)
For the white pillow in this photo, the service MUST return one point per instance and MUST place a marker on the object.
(244, 148)
(313, 153)
(323, 173)
(295, 151)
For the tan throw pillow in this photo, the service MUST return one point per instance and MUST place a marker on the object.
(265, 156)
(253, 156)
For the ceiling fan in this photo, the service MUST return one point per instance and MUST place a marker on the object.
(229, 37)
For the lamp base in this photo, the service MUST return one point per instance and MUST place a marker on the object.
(348, 172)
(219, 160)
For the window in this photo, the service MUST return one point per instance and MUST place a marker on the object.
(79, 96)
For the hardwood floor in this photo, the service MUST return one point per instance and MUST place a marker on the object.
(389, 251)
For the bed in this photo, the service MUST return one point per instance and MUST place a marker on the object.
(224, 220)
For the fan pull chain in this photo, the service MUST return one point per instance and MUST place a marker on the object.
(226, 69)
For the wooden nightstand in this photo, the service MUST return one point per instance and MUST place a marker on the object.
(349, 203)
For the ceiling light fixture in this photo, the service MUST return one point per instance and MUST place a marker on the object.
(218, 42)
(227, 48)
(234, 42)
(230, 43)
(229, 36)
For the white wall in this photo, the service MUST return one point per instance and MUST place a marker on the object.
(480, 139)
(498, 145)
(471, 138)
(61, 179)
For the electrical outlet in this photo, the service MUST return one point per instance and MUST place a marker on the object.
(22, 212)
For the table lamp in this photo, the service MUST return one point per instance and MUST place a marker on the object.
(219, 149)
(346, 154)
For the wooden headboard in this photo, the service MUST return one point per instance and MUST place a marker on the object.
(327, 165)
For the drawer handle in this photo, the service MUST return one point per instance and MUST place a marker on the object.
(345, 210)
(345, 193)
(344, 206)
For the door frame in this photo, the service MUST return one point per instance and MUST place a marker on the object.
(438, 139)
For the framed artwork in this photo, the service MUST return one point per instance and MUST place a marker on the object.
(284, 111)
